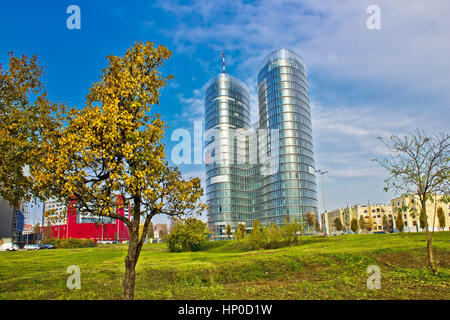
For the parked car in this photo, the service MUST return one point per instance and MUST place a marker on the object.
(9, 247)
(32, 247)
(105, 242)
(48, 246)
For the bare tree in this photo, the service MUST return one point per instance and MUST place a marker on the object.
(419, 165)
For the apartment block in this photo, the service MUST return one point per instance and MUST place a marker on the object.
(372, 214)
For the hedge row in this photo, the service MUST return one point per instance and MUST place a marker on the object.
(70, 243)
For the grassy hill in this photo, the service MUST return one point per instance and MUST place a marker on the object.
(318, 268)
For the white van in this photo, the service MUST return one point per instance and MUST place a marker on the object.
(9, 247)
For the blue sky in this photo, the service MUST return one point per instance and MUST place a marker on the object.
(363, 83)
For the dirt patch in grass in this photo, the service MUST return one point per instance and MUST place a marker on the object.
(311, 274)
(412, 259)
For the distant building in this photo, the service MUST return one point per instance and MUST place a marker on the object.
(371, 213)
(161, 229)
(87, 226)
(410, 208)
(373, 216)
(156, 238)
(28, 229)
(11, 222)
(59, 212)
(161, 226)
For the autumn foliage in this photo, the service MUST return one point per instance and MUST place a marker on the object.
(109, 149)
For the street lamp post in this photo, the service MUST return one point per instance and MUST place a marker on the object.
(321, 182)
(323, 193)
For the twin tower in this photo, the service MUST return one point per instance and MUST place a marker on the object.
(264, 170)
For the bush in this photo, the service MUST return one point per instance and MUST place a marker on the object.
(399, 221)
(241, 231)
(70, 243)
(192, 235)
(354, 225)
(272, 237)
(441, 217)
(338, 224)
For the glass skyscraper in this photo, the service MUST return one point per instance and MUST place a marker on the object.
(265, 170)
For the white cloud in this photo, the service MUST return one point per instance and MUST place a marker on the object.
(346, 137)
(193, 108)
(365, 83)
(410, 51)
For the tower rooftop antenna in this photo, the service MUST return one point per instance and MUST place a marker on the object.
(223, 61)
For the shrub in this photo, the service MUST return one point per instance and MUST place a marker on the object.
(316, 225)
(192, 235)
(70, 243)
(272, 237)
(354, 225)
(441, 217)
(241, 231)
(310, 219)
(399, 221)
(386, 224)
(228, 231)
(256, 238)
(422, 219)
(338, 224)
(362, 223)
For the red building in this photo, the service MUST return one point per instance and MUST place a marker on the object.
(92, 227)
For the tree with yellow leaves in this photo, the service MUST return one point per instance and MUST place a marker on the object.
(27, 118)
(112, 149)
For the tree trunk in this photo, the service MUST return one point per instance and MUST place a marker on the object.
(429, 240)
(134, 249)
(130, 266)
(430, 253)
(133, 252)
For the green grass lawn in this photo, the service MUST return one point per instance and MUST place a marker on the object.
(318, 268)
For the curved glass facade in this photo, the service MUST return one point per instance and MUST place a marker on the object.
(227, 114)
(266, 170)
(284, 106)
